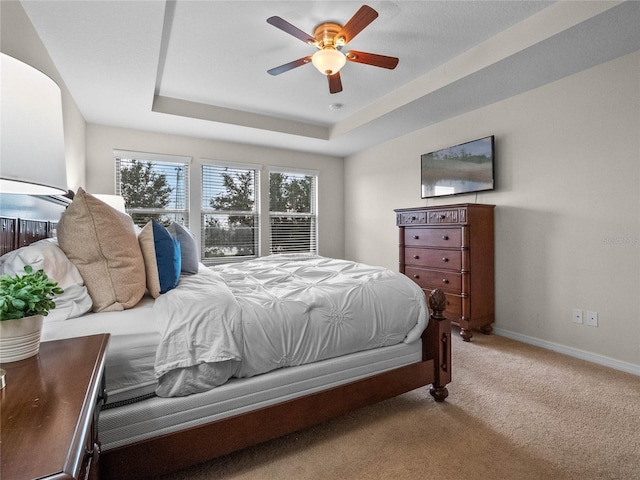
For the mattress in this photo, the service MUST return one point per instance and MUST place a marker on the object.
(159, 416)
(131, 353)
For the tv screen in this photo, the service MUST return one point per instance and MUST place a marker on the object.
(465, 168)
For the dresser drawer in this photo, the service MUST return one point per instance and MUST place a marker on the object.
(427, 257)
(433, 237)
(453, 215)
(412, 218)
(453, 308)
(430, 279)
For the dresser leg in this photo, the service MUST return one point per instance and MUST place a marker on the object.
(466, 334)
(486, 329)
(439, 393)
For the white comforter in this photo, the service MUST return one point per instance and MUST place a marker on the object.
(249, 318)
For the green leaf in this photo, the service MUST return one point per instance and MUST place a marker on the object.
(26, 295)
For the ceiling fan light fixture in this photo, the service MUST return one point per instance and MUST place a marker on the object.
(329, 38)
(328, 61)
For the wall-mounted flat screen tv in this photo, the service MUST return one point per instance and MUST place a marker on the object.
(465, 168)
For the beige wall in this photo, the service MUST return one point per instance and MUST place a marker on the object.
(567, 217)
(102, 140)
(20, 40)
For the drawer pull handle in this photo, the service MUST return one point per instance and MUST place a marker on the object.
(444, 280)
(416, 237)
(416, 257)
(445, 259)
(416, 276)
(414, 218)
(443, 216)
(445, 237)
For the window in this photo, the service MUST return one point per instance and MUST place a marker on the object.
(153, 188)
(292, 211)
(230, 212)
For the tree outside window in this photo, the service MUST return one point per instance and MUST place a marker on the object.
(230, 215)
(230, 219)
(153, 190)
(292, 212)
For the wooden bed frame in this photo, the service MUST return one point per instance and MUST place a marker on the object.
(195, 445)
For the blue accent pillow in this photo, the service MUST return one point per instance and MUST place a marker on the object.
(162, 258)
(188, 247)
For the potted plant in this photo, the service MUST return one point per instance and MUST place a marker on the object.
(24, 302)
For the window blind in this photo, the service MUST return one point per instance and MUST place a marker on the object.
(230, 213)
(154, 190)
(292, 212)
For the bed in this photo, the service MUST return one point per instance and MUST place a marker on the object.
(147, 428)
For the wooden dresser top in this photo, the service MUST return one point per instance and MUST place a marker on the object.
(47, 408)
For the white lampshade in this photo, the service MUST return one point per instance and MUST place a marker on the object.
(32, 157)
(114, 201)
(328, 60)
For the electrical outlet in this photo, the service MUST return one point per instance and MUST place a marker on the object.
(577, 315)
(592, 319)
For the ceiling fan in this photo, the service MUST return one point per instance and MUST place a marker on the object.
(329, 38)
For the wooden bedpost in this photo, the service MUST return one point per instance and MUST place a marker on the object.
(437, 345)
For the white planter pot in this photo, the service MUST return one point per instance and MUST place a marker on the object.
(20, 339)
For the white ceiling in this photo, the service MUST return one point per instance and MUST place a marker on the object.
(199, 68)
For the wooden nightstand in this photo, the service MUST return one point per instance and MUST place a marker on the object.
(50, 409)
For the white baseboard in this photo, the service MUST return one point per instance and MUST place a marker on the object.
(572, 352)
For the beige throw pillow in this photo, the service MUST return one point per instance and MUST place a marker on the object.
(102, 244)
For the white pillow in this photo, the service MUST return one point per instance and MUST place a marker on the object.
(47, 255)
(190, 255)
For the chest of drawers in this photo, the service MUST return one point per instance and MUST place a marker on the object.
(451, 247)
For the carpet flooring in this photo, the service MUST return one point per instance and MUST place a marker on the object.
(514, 412)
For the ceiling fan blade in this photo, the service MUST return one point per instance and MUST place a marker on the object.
(372, 59)
(289, 66)
(291, 30)
(356, 24)
(335, 83)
